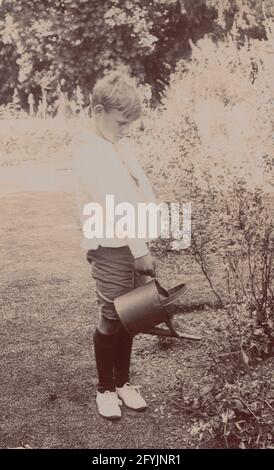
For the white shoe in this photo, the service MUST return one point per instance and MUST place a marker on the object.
(108, 405)
(131, 397)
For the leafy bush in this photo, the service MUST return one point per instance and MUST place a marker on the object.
(212, 145)
(231, 415)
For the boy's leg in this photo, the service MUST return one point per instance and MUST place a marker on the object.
(124, 344)
(113, 270)
(122, 357)
(104, 340)
(128, 393)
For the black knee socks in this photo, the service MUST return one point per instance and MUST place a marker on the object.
(104, 346)
(112, 354)
(122, 357)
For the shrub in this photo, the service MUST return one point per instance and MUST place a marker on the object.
(211, 145)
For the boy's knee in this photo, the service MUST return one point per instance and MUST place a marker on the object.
(108, 327)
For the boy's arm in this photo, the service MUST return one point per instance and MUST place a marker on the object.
(138, 172)
(99, 174)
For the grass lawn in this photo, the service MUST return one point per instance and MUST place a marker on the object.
(48, 314)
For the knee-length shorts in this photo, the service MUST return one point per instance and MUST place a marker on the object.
(114, 274)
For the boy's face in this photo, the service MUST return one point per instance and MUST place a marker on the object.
(112, 125)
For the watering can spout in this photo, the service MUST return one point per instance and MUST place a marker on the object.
(171, 332)
(156, 331)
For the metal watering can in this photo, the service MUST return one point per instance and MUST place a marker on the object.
(144, 307)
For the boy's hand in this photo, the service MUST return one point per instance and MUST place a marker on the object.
(145, 265)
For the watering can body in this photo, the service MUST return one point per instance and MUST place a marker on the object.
(143, 308)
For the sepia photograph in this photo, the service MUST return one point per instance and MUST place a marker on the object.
(137, 228)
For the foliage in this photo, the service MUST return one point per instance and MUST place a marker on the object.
(209, 143)
(212, 144)
(244, 17)
(229, 415)
(76, 42)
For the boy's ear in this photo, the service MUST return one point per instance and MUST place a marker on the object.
(98, 109)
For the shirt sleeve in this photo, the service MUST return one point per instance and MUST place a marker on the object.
(138, 172)
(100, 173)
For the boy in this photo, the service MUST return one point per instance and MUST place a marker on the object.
(106, 166)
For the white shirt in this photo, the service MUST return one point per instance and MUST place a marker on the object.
(101, 168)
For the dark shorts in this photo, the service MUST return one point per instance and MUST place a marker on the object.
(114, 274)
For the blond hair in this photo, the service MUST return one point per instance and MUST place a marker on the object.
(118, 91)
